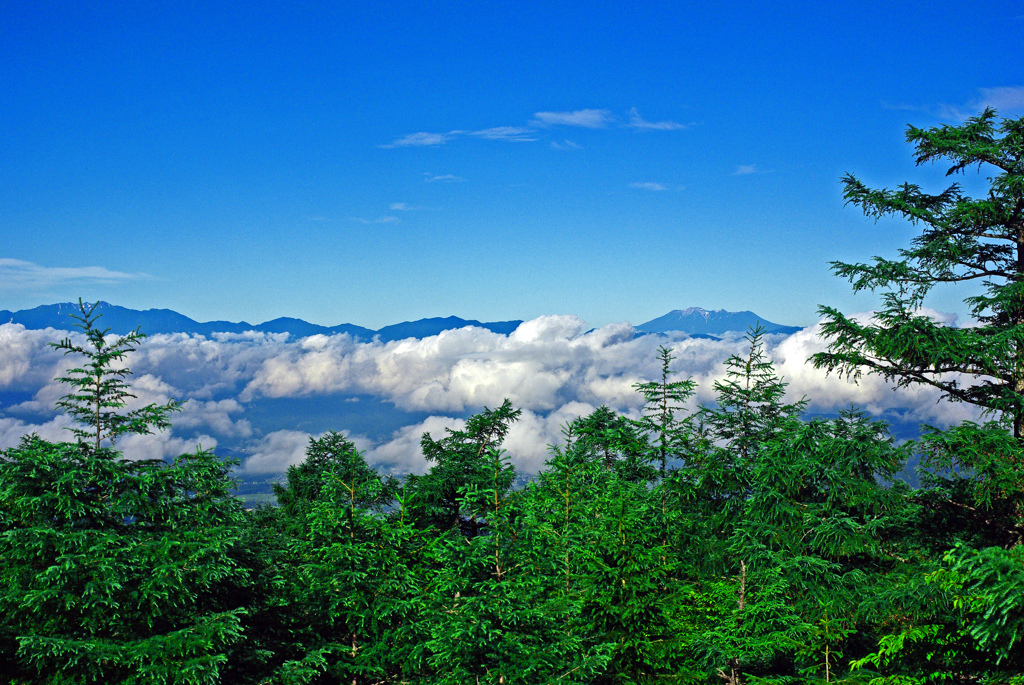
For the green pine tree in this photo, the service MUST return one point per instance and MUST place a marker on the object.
(116, 571)
(963, 239)
(750, 410)
(663, 400)
(938, 614)
(749, 414)
(616, 442)
(352, 577)
(332, 453)
(461, 459)
(820, 513)
(101, 388)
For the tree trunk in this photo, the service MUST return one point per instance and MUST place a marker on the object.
(1018, 320)
(733, 677)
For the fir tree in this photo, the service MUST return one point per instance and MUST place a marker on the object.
(939, 613)
(963, 239)
(615, 441)
(334, 454)
(663, 400)
(749, 414)
(101, 388)
(116, 570)
(821, 515)
(350, 575)
(750, 409)
(461, 459)
(491, 616)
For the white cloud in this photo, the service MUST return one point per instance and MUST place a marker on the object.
(16, 274)
(163, 445)
(1004, 99)
(275, 452)
(379, 220)
(420, 139)
(25, 358)
(565, 145)
(513, 133)
(549, 367)
(648, 186)
(636, 121)
(215, 415)
(402, 453)
(587, 118)
(405, 207)
(550, 328)
(744, 169)
(443, 178)
(12, 430)
(510, 133)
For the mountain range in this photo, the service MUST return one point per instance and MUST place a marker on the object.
(121, 321)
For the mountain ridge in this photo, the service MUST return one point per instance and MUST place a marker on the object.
(121, 321)
(694, 321)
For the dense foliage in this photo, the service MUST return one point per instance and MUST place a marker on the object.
(739, 543)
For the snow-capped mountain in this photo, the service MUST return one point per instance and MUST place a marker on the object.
(695, 320)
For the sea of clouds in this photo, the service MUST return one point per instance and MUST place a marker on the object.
(550, 368)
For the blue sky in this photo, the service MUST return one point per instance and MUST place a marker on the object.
(382, 162)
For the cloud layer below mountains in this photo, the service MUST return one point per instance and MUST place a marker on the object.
(550, 368)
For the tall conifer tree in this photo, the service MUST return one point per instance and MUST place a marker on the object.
(114, 570)
(963, 239)
(101, 388)
(662, 401)
(461, 459)
(750, 411)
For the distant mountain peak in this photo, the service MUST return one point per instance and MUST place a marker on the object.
(700, 321)
(691, 311)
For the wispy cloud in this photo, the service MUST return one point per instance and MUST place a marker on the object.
(565, 145)
(379, 220)
(744, 169)
(1009, 98)
(16, 274)
(587, 118)
(419, 140)
(902, 106)
(636, 121)
(1004, 99)
(648, 185)
(584, 118)
(955, 113)
(404, 207)
(514, 133)
(443, 178)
